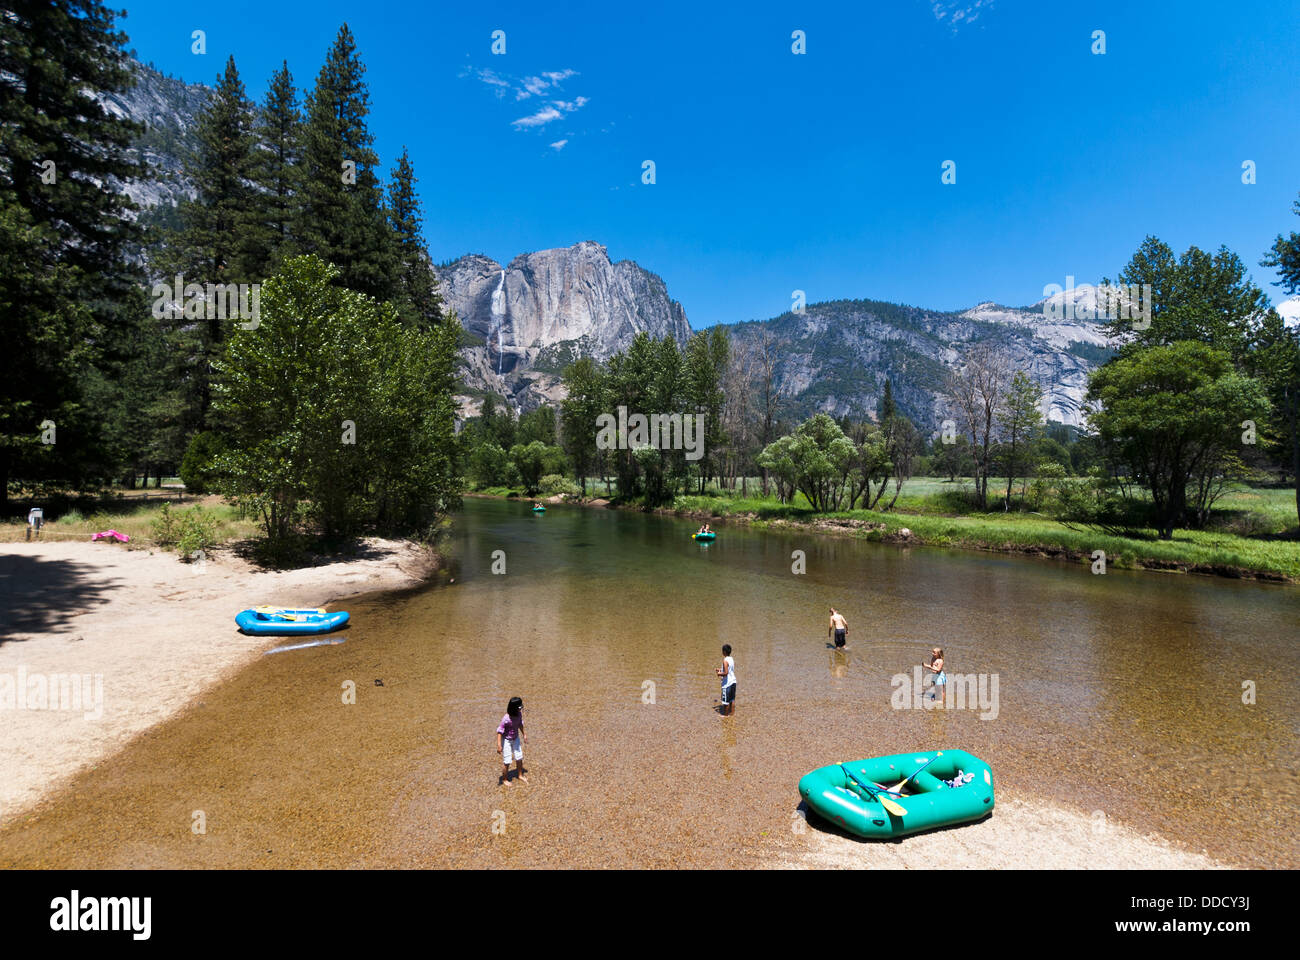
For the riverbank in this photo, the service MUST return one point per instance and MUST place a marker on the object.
(1022, 833)
(157, 633)
(1192, 552)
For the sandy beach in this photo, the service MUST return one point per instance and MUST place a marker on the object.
(1021, 834)
(150, 632)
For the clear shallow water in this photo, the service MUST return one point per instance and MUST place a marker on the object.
(1119, 693)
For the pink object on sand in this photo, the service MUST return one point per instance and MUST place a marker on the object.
(111, 534)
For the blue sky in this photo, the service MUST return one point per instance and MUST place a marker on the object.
(822, 171)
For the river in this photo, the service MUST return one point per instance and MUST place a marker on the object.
(1121, 693)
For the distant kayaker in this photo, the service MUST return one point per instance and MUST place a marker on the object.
(935, 666)
(839, 628)
(728, 674)
(511, 739)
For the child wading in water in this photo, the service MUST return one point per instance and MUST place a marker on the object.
(510, 740)
(935, 666)
(728, 674)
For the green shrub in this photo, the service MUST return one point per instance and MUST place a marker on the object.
(198, 533)
(554, 483)
(166, 527)
(197, 470)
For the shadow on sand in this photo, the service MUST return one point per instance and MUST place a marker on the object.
(39, 595)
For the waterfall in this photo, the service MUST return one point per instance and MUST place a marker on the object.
(499, 314)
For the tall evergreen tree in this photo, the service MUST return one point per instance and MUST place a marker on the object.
(64, 234)
(221, 242)
(343, 219)
(278, 131)
(222, 221)
(887, 406)
(416, 297)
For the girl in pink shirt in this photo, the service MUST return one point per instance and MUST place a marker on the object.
(511, 739)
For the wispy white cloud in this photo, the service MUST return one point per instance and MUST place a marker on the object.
(490, 77)
(959, 13)
(558, 145)
(521, 87)
(552, 111)
(539, 119)
(536, 86)
(543, 85)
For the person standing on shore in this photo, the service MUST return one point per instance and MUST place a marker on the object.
(510, 741)
(839, 628)
(728, 674)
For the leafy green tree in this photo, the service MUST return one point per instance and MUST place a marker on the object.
(816, 460)
(1284, 256)
(1021, 422)
(538, 424)
(1171, 415)
(953, 460)
(1198, 296)
(901, 449)
(873, 465)
(489, 465)
(533, 461)
(337, 414)
(1278, 354)
(707, 355)
(585, 400)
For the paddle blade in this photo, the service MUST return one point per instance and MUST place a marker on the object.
(891, 806)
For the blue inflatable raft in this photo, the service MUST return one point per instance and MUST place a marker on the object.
(279, 622)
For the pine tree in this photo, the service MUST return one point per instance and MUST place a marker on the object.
(221, 220)
(416, 297)
(343, 220)
(64, 236)
(222, 240)
(278, 130)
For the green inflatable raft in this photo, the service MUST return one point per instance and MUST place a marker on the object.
(928, 799)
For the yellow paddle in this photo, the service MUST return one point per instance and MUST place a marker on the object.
(280, 612)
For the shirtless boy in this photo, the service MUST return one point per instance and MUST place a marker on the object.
(838, 628)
